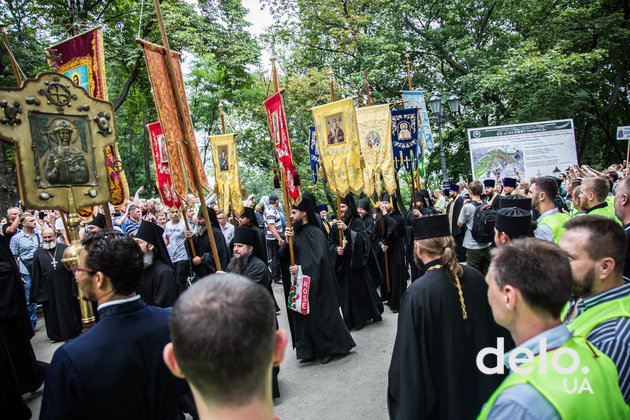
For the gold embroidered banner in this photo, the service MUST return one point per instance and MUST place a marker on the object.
(81, 58)
(226, 173)
(374, 124)
(338, 140)
(163, 95)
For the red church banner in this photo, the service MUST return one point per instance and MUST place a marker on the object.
(160, 157)
(276, 118)
(81, 58)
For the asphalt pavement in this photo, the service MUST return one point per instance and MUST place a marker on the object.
(349, 387)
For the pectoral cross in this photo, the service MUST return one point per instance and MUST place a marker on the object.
(54, 263)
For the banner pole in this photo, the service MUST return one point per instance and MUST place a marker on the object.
(14, 64)
(187, 141)
(285, 193)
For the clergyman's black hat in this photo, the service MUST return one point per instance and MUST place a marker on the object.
(244, 235)
(99, 220)
(515, 200)
(509, 182)
(514, 221)
(489, 183)
(431, 227)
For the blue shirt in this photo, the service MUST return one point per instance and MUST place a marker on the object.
(612, 337)
(24, 247)
(544, 232)
(523, 401)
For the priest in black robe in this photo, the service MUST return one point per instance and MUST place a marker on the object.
(444, 322)
(159, 283)
(377, 272)
(391, 239)
(20, 371)
(322, 333)
(359, 301)
(203, 262)
(245, 262)
(248, 220)
(53, 286)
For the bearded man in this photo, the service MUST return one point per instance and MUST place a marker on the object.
(54, 287)
(203, 263)
(159, 284)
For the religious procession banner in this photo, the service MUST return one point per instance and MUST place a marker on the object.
(317, 168)
(276, 118)
(338, 141)
(415, 99)
(163, 96)
(226, 173)
(375, 138)
(405, 139)
(81, 58)
(160, 158)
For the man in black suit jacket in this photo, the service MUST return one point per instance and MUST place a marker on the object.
(114, 370)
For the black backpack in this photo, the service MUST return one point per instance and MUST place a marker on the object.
(484, 219)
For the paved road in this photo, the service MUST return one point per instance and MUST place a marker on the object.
(352, 387)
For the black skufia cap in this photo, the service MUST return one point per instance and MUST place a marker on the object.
(431, 227)
(245, 235)
(363, 204)
(515, 200)
(99, 220)
(489, 183)
(509, 182)
(514, 221)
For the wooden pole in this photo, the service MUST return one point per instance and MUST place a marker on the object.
(408, 71)
(367, 88)
(65, 226)
(384, 252)
(108, 216)
(187, 140)
(285, 192)
(190, 242)
(183, 204)
(14, 65)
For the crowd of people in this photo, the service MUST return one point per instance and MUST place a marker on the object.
(537, 263)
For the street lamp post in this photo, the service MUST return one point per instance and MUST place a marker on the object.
(437, 108)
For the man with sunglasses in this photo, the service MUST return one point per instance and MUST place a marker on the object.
(115, 370)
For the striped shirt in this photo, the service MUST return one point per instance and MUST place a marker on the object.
(23, 247)
(612, 337)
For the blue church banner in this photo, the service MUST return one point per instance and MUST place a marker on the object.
(415, 99)
(405, 139)
(317, 169)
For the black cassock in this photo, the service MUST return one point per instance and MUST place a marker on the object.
(257, 271)
(359, 301)
(322, 332)
(393, 238)
(19, 371)
(55, 288)
(159, 285)
(433, 373)
(204, 251)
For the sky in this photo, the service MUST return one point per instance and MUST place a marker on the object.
(260, 20)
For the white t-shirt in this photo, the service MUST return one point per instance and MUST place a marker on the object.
(176, 236)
